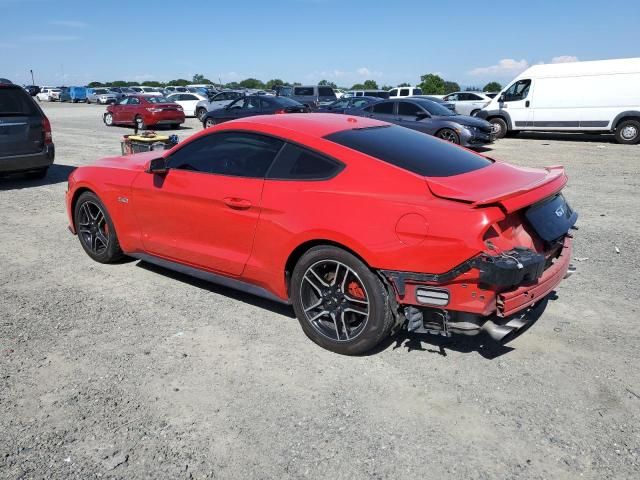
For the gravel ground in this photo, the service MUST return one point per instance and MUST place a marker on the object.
(131, 371)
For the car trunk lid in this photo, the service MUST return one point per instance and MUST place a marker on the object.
(506, 185)
(21, 123)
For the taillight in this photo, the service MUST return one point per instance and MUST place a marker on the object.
(280, 111)
(46, 126)
(154, 110)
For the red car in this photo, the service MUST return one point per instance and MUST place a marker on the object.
(144, 111)
(361, 225)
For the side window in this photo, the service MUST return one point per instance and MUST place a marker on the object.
(325, 92)
(517, 91)
(231, 153)
(404, 92)
(134, 101)
(451, 98)
(252, 103)
(189, 97)
(474, 97)
(360, 102)
(297, 163)
(124, 101)
(383, 108)
(236, 104)
(341, 104)
(393, 93)
(303, 91)
(264, 104)
(408, 109)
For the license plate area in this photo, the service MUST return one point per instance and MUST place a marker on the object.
(552, 218)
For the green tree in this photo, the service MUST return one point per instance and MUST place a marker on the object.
(273, 83)
(386, 87)
(251, 83)
(370, 85)
(450, 87)
(432, 84)
(119, 83)
(152, 83)
(357, 86)
(201, 79)
(472, 88)
(492, 87)
(327, 83)
(95, 84)
(181, 82)
(404, 84)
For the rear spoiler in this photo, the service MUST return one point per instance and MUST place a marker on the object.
(552, 183)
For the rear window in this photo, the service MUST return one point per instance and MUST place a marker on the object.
(414, 151)
(15, 101)
(284, 102)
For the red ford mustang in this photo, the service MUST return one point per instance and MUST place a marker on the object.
(361, 225)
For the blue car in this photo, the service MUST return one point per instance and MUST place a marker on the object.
(78, 94)
(343, 105)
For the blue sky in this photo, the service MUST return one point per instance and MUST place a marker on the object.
(346, 41)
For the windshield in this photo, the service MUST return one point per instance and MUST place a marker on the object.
(159, 100)
(435, 108)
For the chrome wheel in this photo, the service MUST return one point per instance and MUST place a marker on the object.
(209, 122)
(335, 300)
(93, 228)
(108, 119)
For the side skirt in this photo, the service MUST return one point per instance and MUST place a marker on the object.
(209, 277)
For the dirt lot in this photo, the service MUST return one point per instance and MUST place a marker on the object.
(130, 371)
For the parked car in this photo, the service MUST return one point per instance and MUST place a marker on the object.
(251, 105)
(310, 95)
(65, 95)
(339, 92)
(439, 100)
(188, 101)
(362, 227)
(219, 100)
(32, 90)
(144, 111)
(26, 144)
(467, 103)
(140, 90)
(174, 89)
(404, 92)
(50, 94)
(101, 96)
(78, 94)
(432, 118)
(597, 97)
(122, 91)
(343, 105)
(367, 93)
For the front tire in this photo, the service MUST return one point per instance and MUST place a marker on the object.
(95, 229)
(209, 122)
(108, 119)
(498, 127)
(448, 135)
(474, 112)
(140, 122)
(340, 303)
(200, 113)
(628, 132)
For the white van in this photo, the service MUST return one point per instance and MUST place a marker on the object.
(601, 96)
(404, 92)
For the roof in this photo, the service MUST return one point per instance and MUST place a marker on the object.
(596, 67)
(311, 124)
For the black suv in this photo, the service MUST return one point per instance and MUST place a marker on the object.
(26, 144)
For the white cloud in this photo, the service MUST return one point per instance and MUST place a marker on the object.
(505, 67)
(564, 59)
(50, 38)
(68, 23)
(363, 72)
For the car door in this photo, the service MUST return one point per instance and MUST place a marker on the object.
(130, 109)
(188, 103)
(203, 212)
(411, 115)
(384, 111)
(515, 102)
(118, 109)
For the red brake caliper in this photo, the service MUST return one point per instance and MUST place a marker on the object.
(355, 290)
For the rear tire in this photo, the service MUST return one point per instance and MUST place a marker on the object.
(95, 229)
(341, 304)
(498, 127)
(448, 135)
(628, 132)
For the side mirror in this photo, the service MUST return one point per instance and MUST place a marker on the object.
(501, 98)
(422, 116)
(157, 166)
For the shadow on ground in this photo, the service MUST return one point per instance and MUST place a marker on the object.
(57, 173)
(568, 137)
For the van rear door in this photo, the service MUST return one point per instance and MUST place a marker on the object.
(21, 129)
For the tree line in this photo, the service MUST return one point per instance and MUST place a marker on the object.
(430, 83)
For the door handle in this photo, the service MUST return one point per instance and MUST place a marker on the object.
(237, 203)
(526, 104)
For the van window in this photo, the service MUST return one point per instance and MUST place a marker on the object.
(325, 92)
(404, 92)
(517, 91)
(303, 91)
(393, 93)
(417, 91)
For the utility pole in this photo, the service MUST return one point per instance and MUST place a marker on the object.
(32, 81)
